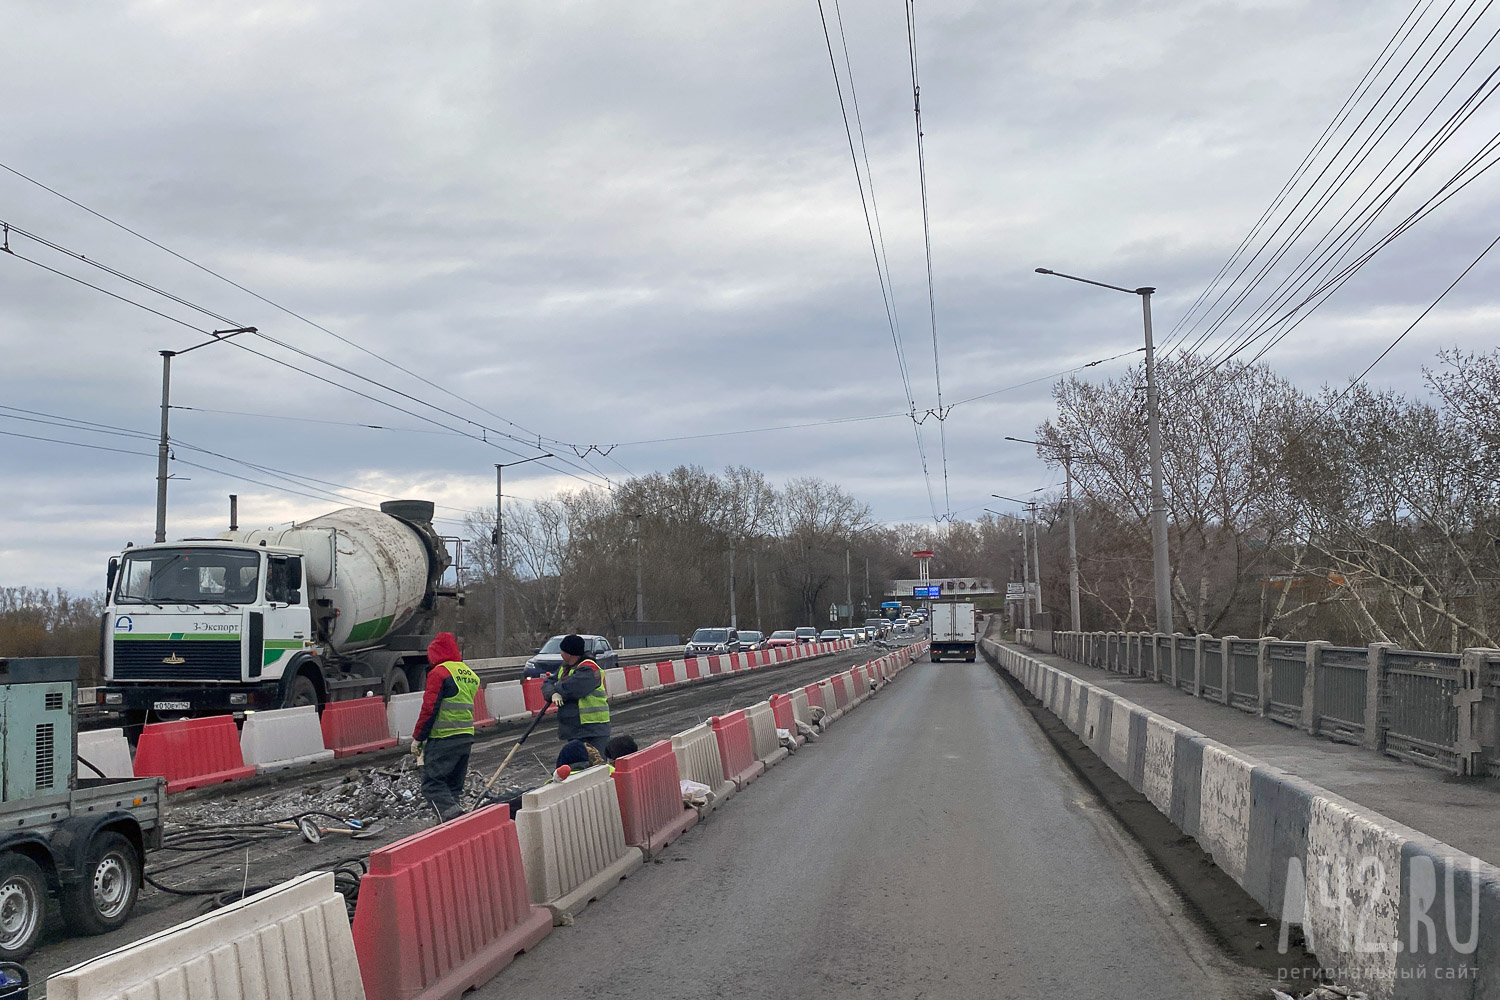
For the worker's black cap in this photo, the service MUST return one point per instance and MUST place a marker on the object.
(572, 645)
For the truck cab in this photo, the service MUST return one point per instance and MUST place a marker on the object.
(205, 626)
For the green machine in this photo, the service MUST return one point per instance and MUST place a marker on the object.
(38, 697)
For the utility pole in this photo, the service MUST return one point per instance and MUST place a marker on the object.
(640, 591)
(848, 591)
(734, 618)
(1036, 557)
(1067, 459)
(497, 545)
(1026, 572)
(755, 568)
(1160, 553)
(163, 448)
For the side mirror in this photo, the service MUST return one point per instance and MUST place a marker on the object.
(294, 597)
(109, 577)
(537, 650)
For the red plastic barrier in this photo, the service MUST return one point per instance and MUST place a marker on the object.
(693, 668)
(531, 691)
(633, 679)
(192, 753)
(840, 696)
(482, 717)
(666, 672)
(358, 726)
(736, 748)
(715, 664)
(650, 792)
(781, 708)
(444, 910)
(814, 695)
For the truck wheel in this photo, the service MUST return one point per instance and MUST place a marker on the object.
(302, 691)
(396, 682)
(23, 906)
(102, 900)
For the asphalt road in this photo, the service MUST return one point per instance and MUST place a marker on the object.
(932, 844)
(649, 719)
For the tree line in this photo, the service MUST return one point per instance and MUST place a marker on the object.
(1351, 515)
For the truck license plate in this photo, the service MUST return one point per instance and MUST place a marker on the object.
(172, 706)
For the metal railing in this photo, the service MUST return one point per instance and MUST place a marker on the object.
(1439, 710)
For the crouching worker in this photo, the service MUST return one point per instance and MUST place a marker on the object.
(578, 692)
(445, 727)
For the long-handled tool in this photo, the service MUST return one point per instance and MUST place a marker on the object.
(485, 791)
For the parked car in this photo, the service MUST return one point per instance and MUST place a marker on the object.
(783, 637)
(548, 658)
(752, 640)
(714, 640)
(830, 635)
(807, 634)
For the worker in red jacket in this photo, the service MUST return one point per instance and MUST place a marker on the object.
(444, 733)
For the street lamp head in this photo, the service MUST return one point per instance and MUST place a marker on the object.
(1145, 290)
(1044, 270)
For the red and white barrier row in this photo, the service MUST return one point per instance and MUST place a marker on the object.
(445, 910)
(194, 753)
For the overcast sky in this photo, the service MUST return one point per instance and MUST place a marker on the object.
(618, 222)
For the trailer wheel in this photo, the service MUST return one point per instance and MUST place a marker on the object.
(102, 900)
(23, 905)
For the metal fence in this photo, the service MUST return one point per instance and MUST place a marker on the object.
(1439, 710)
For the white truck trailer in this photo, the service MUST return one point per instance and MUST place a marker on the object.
(333, 608)
(953, 631)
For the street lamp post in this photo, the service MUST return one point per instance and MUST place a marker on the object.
(498, 550)
(1067, 457)
(162, 444)
(1160, 555)
(1033, 557)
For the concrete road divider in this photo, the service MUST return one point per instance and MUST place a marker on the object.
(799, 705)
(573, 842)
(650, 792)
(106, 749)
(762, 721)
(442, 911)
(834, 694)
(401, 713)
(191, 753)
(736, 748)
(697, 752)
(282, 738)
(1398, 912)
(507, 701)
(290, 942)
(357, 726)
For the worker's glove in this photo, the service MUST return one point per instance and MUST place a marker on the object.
(416, 749)
(557, 700)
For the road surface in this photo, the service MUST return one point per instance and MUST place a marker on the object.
(932, 844)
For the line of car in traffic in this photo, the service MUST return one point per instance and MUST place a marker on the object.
(711, 641)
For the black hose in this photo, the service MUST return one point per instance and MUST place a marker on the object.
(85, 762)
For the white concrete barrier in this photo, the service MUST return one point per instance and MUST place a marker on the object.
(401, 713)
(768, 749)
(282, 738)
(799, 705)
(830, 700)
(109, 751)
(698, 760)
(506, 701)
(573, 842)
(291, 942)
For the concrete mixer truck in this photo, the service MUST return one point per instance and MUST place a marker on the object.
(333, 608)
